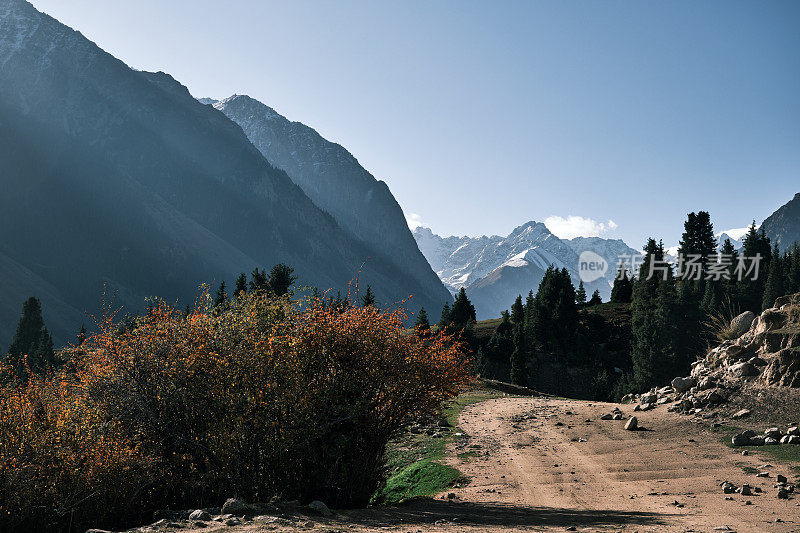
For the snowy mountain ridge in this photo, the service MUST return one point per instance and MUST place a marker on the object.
(494, 269)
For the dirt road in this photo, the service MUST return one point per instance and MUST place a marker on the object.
(558, 456)
(542, 464)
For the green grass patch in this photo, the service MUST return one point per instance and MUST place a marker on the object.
(423, 478)
(414, 462)
(788, 453)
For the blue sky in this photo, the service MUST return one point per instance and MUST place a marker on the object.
(483, 115)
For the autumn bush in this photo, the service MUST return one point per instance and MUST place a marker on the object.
(266, 397)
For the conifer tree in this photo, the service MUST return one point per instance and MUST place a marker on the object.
(462, 312)
(727, 287)
(751, 291)
(698, 237)
(81, 337)
(422, 324)
(580, 294)
(595, 299)
(794, 269)
(241, 284)
(774, 287)
(444, 320)
(519, 374)
(654, 328)
(622, 290)
(32, 342)
(221, 297)
(281, 279)
(259, 280)
(369, 298)
(517, 311)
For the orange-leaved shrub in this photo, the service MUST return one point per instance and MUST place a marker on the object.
(267, 397)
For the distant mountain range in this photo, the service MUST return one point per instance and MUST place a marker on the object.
(783, 226)
(495, 269)
(120, 177)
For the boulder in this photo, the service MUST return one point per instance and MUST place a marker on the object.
(320, 508)
(607, 416)
(793, 439)
(743, 370)
(233, 506)
(683, 384)
(793, 431)
(632, 424)
(757, 440)
(617, 416)
(741, 413)
(741, 324)
(740, 439)
(199, 514)
(769, 441)
(649, 397)
(746, 490)
(774, 433)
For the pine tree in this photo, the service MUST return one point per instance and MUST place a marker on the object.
(750, 292)
(81, 337)
(221, 297)
(623, 287)
(241, 284)
(32, 343)
(444, 320)
(259, 281)
(698, 237)
(794, 269)
(654, 332)
(518, 311)
(519, 374)
(727, 287)
(595, 299)
(505, 324)
(774, 287)
(43, 356)
(462, 312)
(369, 298)
(580, 294)
(422, 324)
(281, 279)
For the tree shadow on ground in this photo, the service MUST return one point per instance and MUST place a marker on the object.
(428, 512)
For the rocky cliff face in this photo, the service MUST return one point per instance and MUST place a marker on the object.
(117, 177)
(336, 182)
(783, 226)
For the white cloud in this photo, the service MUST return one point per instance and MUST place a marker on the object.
(575, 226)
(414, 221)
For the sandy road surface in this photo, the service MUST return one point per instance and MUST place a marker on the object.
(543, 464)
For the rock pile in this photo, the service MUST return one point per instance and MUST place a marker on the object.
(770, 436)
(763, 348)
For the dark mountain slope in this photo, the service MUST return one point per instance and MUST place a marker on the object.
(110, 175)
(336, 182)
(783, 226)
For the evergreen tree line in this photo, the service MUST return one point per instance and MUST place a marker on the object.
(556, 328)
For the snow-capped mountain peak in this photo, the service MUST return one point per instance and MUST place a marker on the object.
(494, 269)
